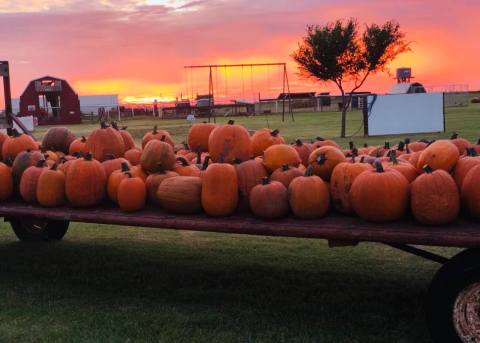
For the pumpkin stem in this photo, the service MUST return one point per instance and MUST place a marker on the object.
(427, 169)
(88, 156)
(129, 174)
(221, 158)
(393, 159)
(155, 129)
(9, 131)
(298, 142)
(407, 149)
(41, 163)
(454, 135)
(401, 146)
(183, 161)
(110, 156)
(320, 139)
(198, 150)
(354, 152)
(54, 167)
(386, 146)
(236, 160)
(114, 125)
(231, 122)
(378, 167)
(83, 140)
(321, 159)
(309, 170)
(471, 152)
(205, 162)
(76, 154)
(103, 125)
(160, 168)
(478, 142)
(185, 145)
(285, 167)
(351, 145)
(407, 140)
(15, 133)
(362, 159)
(124, 128)
(265, 180)
(124, 167)
(275, 133)
(162, 139)
(365, 145)
(8, 161)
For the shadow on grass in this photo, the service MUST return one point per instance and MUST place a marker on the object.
(182, 294)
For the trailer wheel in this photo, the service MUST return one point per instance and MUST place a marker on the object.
(453, 303)
(30, 229)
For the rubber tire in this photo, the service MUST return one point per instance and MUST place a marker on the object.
(458, 273)
(54, 230)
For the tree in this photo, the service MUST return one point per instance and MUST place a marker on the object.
(338, 53)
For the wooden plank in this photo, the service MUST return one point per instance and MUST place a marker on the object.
(462, 233)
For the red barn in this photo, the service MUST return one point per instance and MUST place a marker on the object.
(52, 101)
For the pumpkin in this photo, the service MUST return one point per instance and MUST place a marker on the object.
(249, 174)
(285, 174)
(415, 146)
(434, 197)
(3, 138)
(66, 163)
(324, 159)
(364, 150)
(105, 141)
(470, 192)
(198, 136)
(113, 181)
(277, 155)
(269, 200)
(181, 194)
(461, 143)
(28, 183)
(441, 154)
(263, 138)
(464, 165)
(58, 138)
(230, 141)
(139, 172)
(406, 168)
(308, 196)
(220, 189)
(341, 180)
(79, 145)
(156, 153)
(111, 164)
(319, 142)
(17, 143)
(24, 160)
(380, 150)
(51, 155)
(155, 180)
(128, 140)
(85, 182)
(51, 187)
(131, 193)
(380, 195)
(133, 156)
(6, 182)
(304, 151)
(157, 134)
(183, 168)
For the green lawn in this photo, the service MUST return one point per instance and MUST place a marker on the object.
(119, 284)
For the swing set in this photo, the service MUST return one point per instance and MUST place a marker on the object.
(214, 89)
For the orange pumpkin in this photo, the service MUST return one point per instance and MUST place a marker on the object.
(51, 187)
(269, 200)
(230, 141)
(415, 146)
(105, 141)
(308, 196)
(16, 143)
(263, 138)
(111, 164)
(113, 181)
(198, 136)
(434, 197)
(464, 165)
(461, 143)
(304, 151)
(319, 142)
(155, 180)
(324, 159)
(285, 174)
(133, 156)
(342, 178)
(29, 181)
(441, 154)
(249, 174)
(138, 172)
(85, 182)
(277, 155)
(155, 154)
(128, 140)
(183, 168)
(131, 194)
(157, 134)
(59, 139)
(79, 145)
(380, 150)
(470, 192)
(3, 138)
(6, 182)
(380, 195)
(24, 160)
(181, 194)
(405, 168)
(220, 190)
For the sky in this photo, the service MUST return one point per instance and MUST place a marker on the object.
(138, 48)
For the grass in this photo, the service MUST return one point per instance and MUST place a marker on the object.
(120, 284)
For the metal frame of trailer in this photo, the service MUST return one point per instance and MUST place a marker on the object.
(453, 303)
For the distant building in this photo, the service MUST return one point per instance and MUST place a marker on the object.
(407, 88)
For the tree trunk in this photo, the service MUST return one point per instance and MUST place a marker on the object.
(344, 116)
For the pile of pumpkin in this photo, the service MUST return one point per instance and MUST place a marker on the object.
(225, 168)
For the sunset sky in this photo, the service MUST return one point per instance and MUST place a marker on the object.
(137, 48)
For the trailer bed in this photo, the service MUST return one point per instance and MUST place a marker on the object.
(462, 233)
